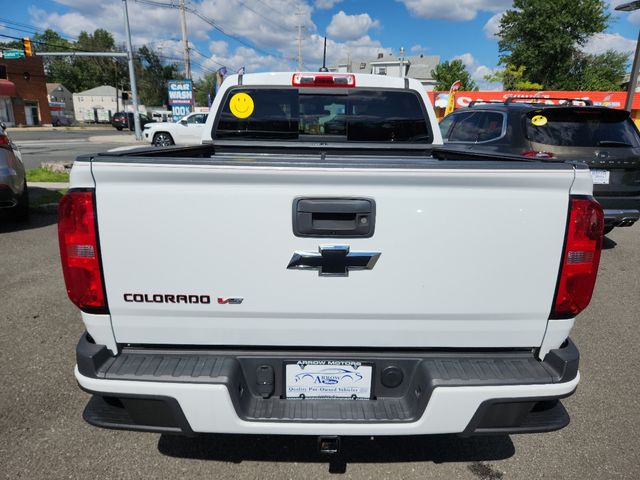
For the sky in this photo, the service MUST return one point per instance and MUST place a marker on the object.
(261, 35)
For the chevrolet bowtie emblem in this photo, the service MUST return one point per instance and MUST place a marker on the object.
(333, 260)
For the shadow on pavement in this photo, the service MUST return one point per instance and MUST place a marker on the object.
(303, 449)
(36, 220)
(608, 244)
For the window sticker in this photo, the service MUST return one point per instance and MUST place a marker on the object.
(539, 121)
(241, 105)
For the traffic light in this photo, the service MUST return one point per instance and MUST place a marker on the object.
(26, 45)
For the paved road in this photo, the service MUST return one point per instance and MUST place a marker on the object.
(63, 145)
(43, 435)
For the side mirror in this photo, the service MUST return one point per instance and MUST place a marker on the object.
(183, 122)
(3, 126)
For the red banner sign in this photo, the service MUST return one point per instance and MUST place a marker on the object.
(605, 99)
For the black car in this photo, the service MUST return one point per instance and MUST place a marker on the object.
(122, 120)
(606, 139)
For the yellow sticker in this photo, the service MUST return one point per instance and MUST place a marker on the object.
(539, 120)
(241, 105)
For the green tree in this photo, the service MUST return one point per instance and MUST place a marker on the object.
(203, 87)
(603, 72)
(448, 72)
(546, 37)
(81, 73)
(512, 78)
(152, 77)
(58, 69)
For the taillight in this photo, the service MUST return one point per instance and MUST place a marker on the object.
(4, 139)
(537, 154)
(580, 258)
(79, 251)
(323, 80)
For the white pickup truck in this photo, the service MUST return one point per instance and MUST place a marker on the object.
(318, 266)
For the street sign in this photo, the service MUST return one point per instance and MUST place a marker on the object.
(180, 98)
(12, 54)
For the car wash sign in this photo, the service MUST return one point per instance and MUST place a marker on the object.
(180, 98)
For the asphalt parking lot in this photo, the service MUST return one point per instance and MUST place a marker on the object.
(64, 145)
(43, 434)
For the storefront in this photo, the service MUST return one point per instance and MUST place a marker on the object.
(7, 91)
(23, 92)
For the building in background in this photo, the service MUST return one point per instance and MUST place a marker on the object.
(23, 92)
(60, 103)
(419, 67)
(96, 105)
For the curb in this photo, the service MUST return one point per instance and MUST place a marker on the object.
(125, 139)
(48, 185)
(11, 130)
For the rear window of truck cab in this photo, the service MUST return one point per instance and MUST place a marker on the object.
(328, 115)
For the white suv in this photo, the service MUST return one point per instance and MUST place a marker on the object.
(186, 131)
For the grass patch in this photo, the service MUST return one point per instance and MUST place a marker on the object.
(44, 197)
(42, 175)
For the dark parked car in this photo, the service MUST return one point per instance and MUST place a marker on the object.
(58, 121)
(605, 138)
(122, 120)
(14, 196)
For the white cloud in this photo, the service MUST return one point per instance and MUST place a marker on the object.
(457, 10)
(220, 54)
(467, 59)
(326, 4)
(417, 48)
(350, 27)
(601, 42)
(219, 47)
(634, 17)
(478, 71)
(269, 28)
(492, 26)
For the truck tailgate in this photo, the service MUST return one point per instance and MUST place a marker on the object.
(469, 254)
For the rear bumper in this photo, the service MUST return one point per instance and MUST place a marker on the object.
(620, 211)
(218, 392)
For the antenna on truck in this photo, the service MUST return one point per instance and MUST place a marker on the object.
(324, 68)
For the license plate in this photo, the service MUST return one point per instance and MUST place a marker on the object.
(328, 379)
(600, 177)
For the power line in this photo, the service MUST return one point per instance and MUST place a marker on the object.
(212, 60)
(261, 15)
(273, 8)
(31, 28)
(214, 24)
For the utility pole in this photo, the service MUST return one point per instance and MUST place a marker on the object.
(633, 77)
(185, 41)
(401, 62)
(132, 75)
(299, 15)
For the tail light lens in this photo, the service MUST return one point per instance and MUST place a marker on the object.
(580, 258)
(323, 80)
(79, 251)
(537, 154)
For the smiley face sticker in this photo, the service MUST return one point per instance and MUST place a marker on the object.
(539, 120)
(241, 105)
